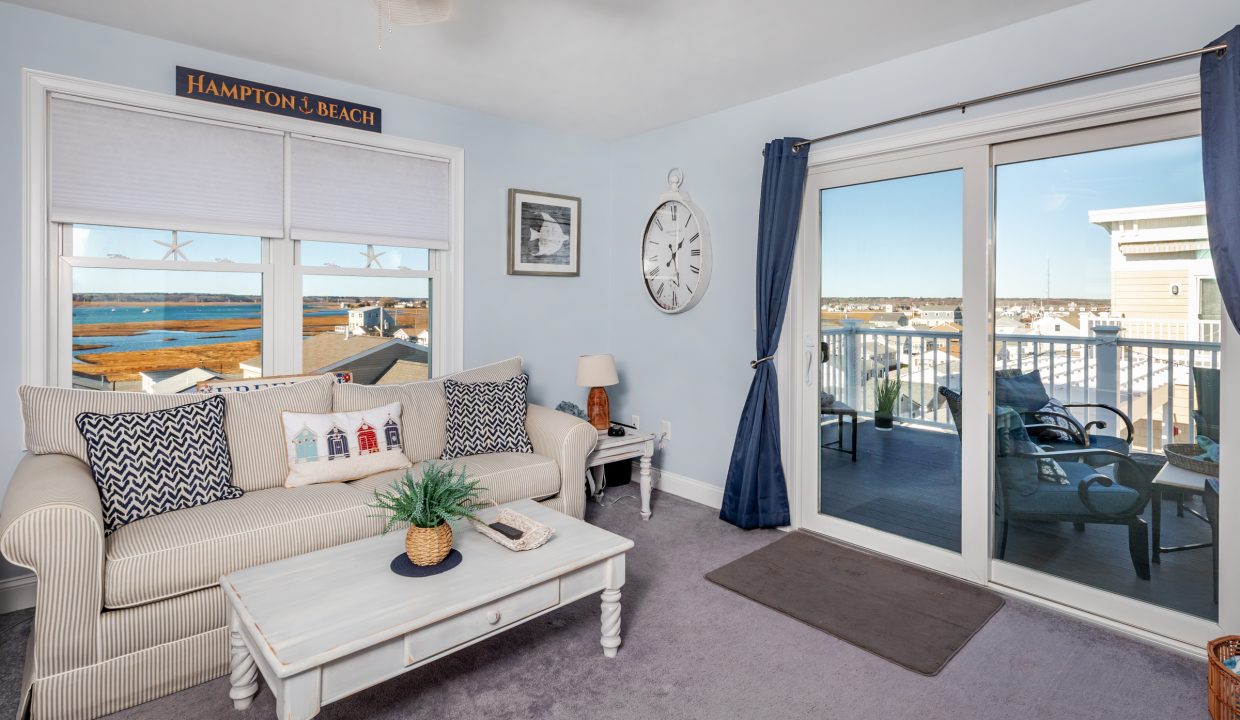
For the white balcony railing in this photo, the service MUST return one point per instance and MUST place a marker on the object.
(1150, 379)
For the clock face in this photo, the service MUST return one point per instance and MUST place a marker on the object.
(675, 257)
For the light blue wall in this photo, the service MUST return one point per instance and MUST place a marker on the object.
(693, 369)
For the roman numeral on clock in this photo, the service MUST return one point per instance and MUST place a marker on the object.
(695, 252)
(657, 223)
(695, 269)
(695, 237)
(672, 209)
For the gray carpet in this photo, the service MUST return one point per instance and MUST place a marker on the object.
(911, 616)
(695, 650)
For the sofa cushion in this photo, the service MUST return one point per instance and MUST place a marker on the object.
(504, 477)
(50, 414)
(424, 411)
(167, 555)
(255, 427)
(251, 421)
(146, 464)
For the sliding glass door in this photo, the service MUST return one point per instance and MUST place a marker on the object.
(1015, 358)
(889, 338)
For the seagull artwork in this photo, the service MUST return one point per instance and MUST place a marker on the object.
(549, 236)
(174, 248)
(372, 257)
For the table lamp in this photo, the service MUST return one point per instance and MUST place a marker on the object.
(596, 372)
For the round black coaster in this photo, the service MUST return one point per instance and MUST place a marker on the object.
(402, 566)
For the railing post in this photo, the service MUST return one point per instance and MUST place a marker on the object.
(1106, 355)
(853, 360)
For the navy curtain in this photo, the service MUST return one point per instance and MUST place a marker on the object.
(1220, 156)
(756, 494)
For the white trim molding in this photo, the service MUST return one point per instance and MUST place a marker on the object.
(702, 493)
(18, 593)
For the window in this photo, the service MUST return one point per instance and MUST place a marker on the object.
(256, 252)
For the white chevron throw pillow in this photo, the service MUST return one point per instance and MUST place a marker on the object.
(335, 447)
(150, 463)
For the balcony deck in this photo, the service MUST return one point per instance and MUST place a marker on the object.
(907, 482)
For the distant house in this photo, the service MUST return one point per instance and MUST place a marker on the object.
(1055, 325)
(421, 338)
(371, 320)
(172, 382)
(936, 314)
(888, 319)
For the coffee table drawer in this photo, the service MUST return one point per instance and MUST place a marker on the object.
(430, 641)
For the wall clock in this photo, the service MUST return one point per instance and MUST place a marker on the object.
(676, 253)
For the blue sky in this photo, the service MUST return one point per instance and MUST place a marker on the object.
(903, 236)
(91, 241)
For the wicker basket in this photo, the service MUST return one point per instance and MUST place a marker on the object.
(1184, 455)
(536, 534)
(428, 546)
(1223, 683)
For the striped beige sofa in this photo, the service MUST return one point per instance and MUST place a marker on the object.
(138, 614)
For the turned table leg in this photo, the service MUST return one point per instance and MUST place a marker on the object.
(611, 622)
(243, 672)
(647, 455)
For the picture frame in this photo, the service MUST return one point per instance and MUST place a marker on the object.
(544, 234)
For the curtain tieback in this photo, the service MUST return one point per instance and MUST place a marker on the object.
(755, 363)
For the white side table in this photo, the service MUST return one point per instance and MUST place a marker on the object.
(626, 447)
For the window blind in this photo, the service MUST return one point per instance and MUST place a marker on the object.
(112, 165)
(343, 192)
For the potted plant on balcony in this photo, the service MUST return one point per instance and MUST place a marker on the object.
(428, 505)
(886, 395)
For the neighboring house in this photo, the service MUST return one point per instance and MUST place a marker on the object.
(888, 319)
(171, 382)
(937, 314)
(403, 371)
(1055, 325)
(1162, 277)
(370, 320)
(422, 338)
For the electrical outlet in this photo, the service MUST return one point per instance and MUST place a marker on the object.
(636, 422)
(667, 429)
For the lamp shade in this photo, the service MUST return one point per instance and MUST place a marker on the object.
(596, 371)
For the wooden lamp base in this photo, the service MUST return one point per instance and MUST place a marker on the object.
(599, 408)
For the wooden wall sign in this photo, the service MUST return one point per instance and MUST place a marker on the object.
(232, 91)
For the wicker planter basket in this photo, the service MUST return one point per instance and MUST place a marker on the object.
(428, 546)
(1223, 683)
(1184, 455)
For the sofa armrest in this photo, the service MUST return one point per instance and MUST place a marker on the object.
(569, 441)
(52, 523)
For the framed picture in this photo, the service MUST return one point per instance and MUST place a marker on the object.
(543, 234)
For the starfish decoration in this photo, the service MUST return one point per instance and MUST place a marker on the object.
(174, 248)
(372, 257)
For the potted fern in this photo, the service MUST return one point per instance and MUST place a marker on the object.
(886, 395)
(428, 505)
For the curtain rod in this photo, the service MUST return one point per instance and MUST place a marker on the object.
(1219, 49)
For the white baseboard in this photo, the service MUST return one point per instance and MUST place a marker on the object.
(17, 593)
(686, 487)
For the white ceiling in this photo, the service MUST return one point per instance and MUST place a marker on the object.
(604, 68)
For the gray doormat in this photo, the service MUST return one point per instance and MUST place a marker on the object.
(913, 617)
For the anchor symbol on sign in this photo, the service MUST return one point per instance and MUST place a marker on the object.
(305, 105)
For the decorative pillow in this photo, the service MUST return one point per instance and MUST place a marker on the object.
(486, 417)
(150, 463)
(334, 447)
(1048, 435)
(1023, 392)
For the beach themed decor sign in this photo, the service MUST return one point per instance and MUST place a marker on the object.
(251, 95)
(543, 234)
(336, 447)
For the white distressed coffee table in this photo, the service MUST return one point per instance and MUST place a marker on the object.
(322, 626)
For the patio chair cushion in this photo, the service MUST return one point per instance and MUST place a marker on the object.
(1023, 392)
(1053, 499)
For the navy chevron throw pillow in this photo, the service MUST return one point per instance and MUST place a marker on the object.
(486, 417)
(150, 463)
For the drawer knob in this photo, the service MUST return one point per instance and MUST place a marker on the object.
(493, 617)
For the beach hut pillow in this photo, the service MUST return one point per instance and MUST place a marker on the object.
(335, 447)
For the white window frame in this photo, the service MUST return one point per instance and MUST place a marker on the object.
(45, 360)
(1143, 102)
